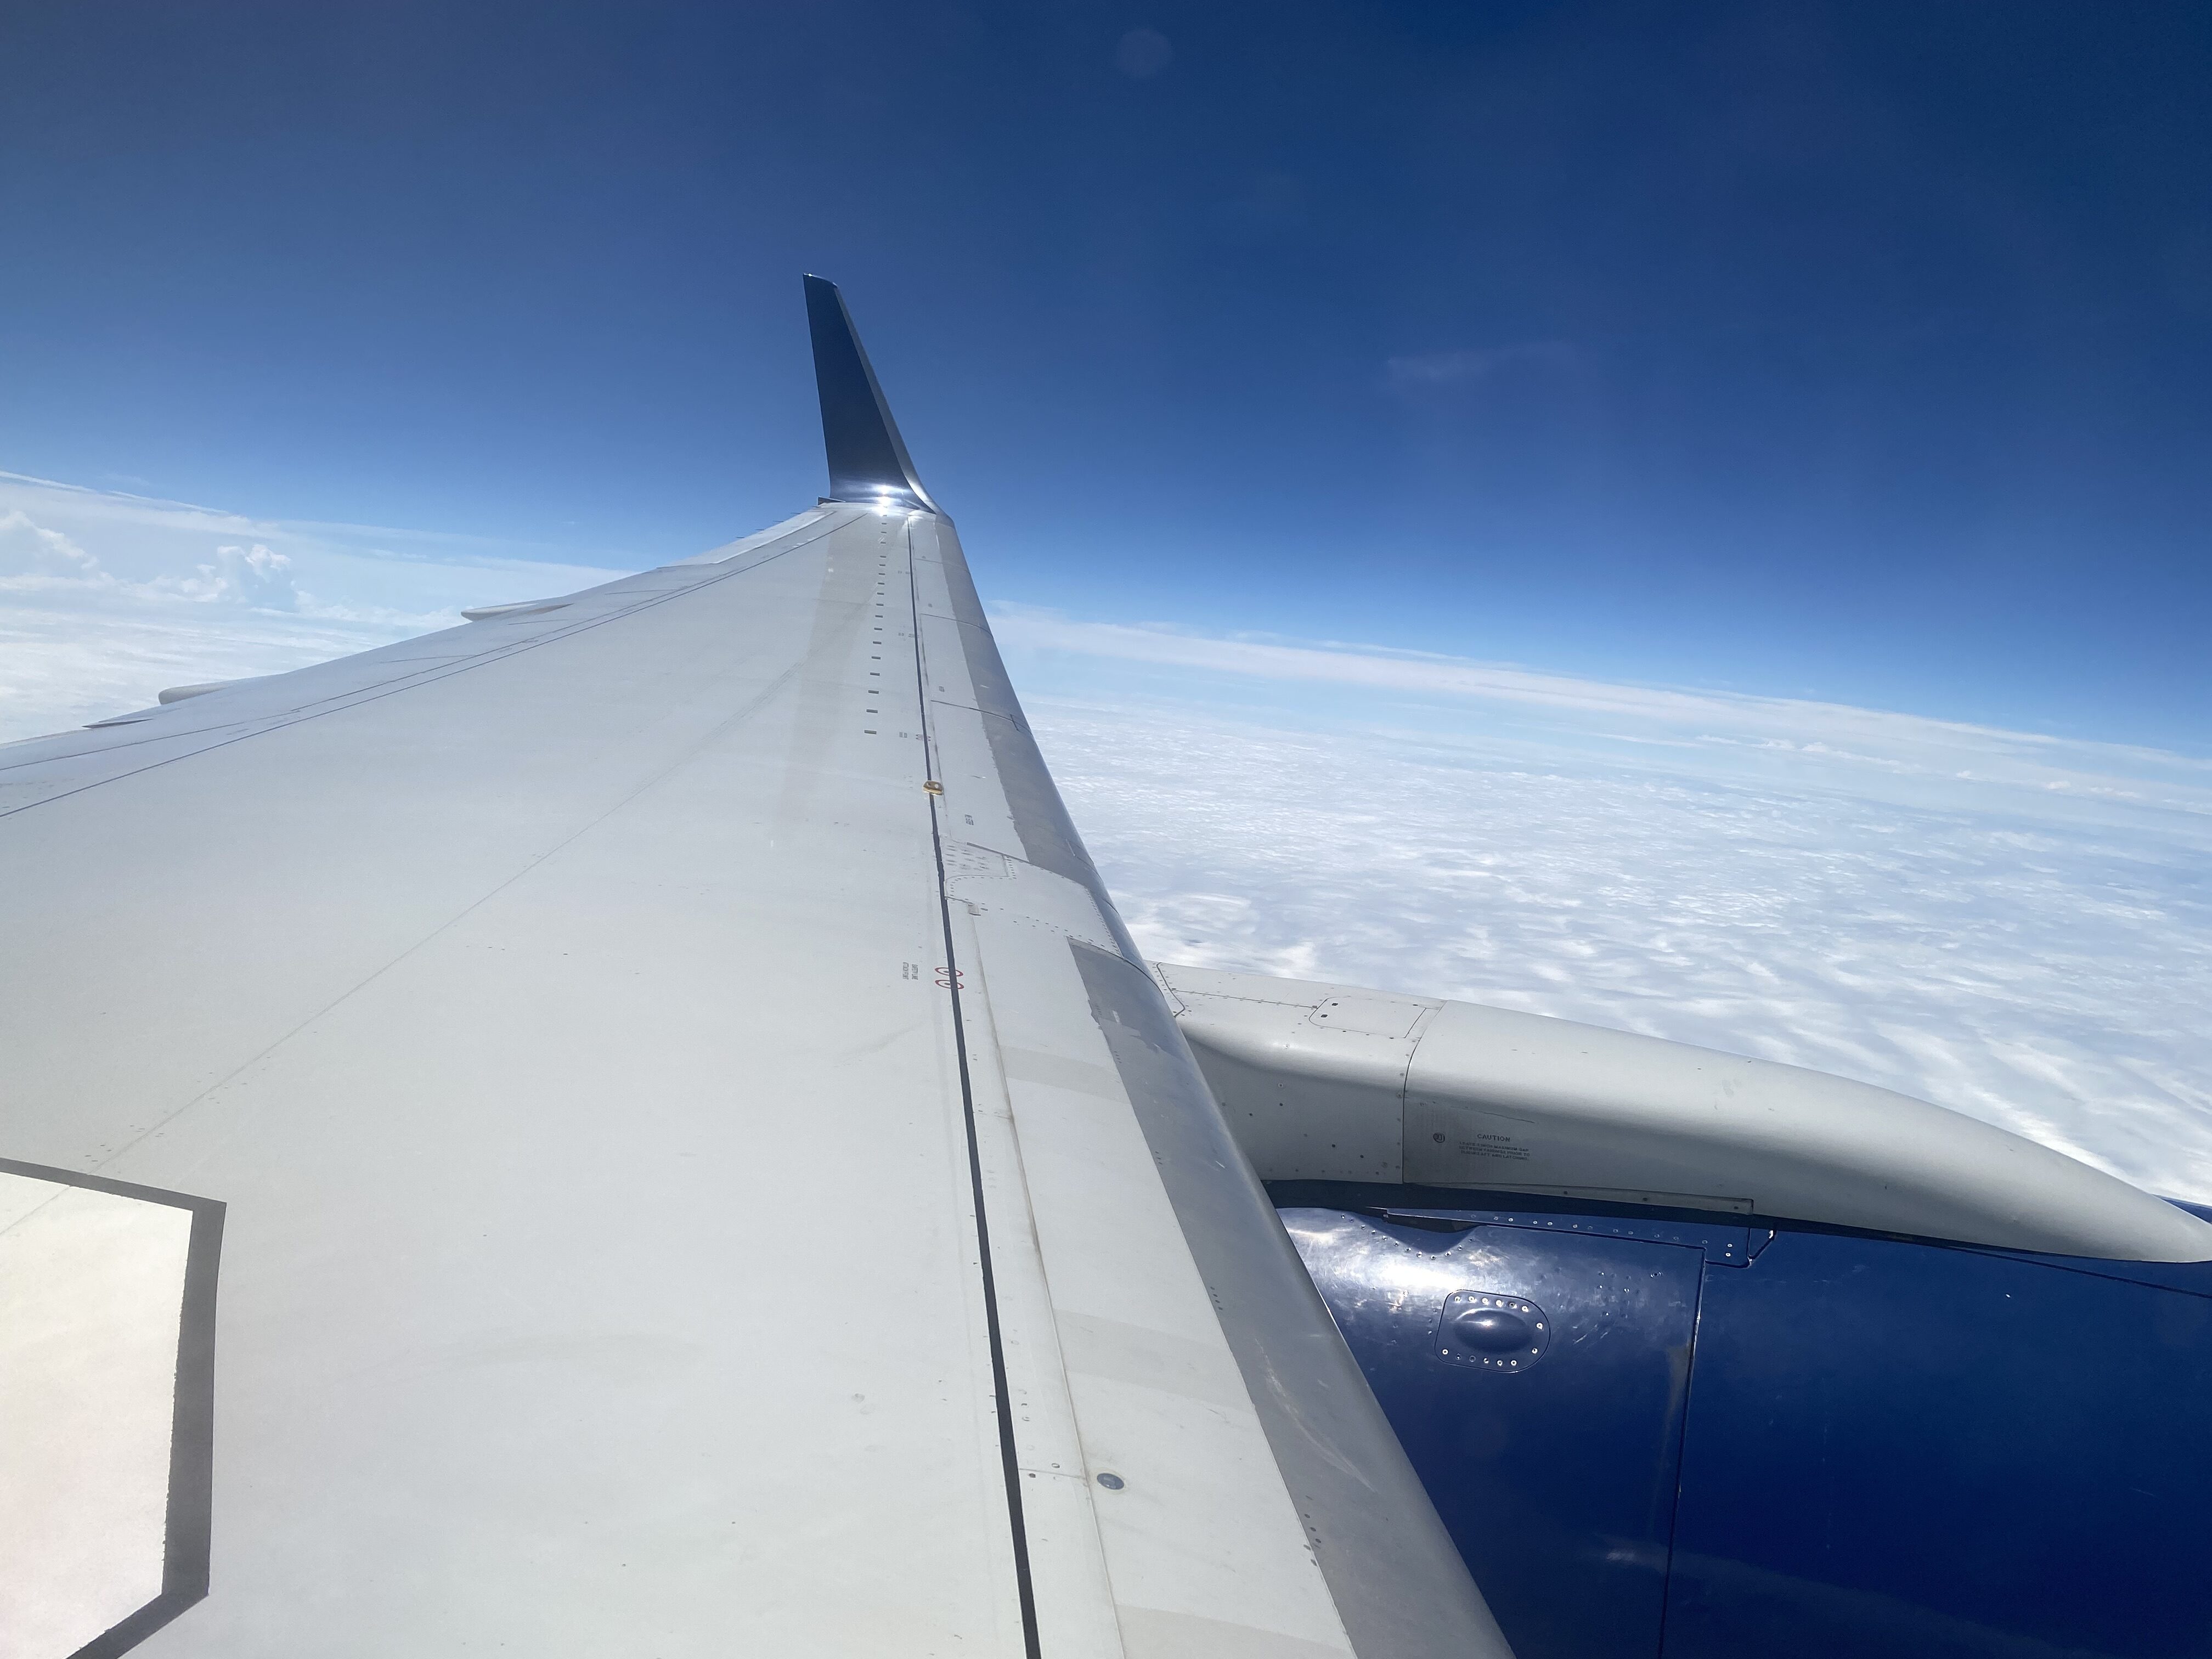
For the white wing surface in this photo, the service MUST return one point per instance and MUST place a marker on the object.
(630, 1127)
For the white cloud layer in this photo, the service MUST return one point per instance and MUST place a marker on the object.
(2014, 926)
(1904, 756)
(105, 598)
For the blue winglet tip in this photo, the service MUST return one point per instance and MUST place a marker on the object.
(868, 460)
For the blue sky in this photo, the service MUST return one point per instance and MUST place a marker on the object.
(1690, 516)
(1859, 351)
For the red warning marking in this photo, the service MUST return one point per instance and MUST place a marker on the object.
(951, 979)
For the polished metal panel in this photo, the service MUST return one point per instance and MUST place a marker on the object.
(1556, 1479)
(1796, 1439)
(1895, 1449)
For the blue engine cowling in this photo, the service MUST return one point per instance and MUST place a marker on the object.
(1664, 1432)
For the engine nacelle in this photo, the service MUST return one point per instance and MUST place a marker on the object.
(1735, 1420)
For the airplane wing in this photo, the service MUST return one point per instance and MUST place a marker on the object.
(632, 1126)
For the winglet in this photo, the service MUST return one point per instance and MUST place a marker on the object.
(868, 460)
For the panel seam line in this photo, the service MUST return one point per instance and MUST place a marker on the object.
(1009, 1458)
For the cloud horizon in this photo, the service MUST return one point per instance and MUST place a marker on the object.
(2010, 923)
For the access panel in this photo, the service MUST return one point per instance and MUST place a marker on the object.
(1900, 1449)
(1887, 1448)
(1537, 1380)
